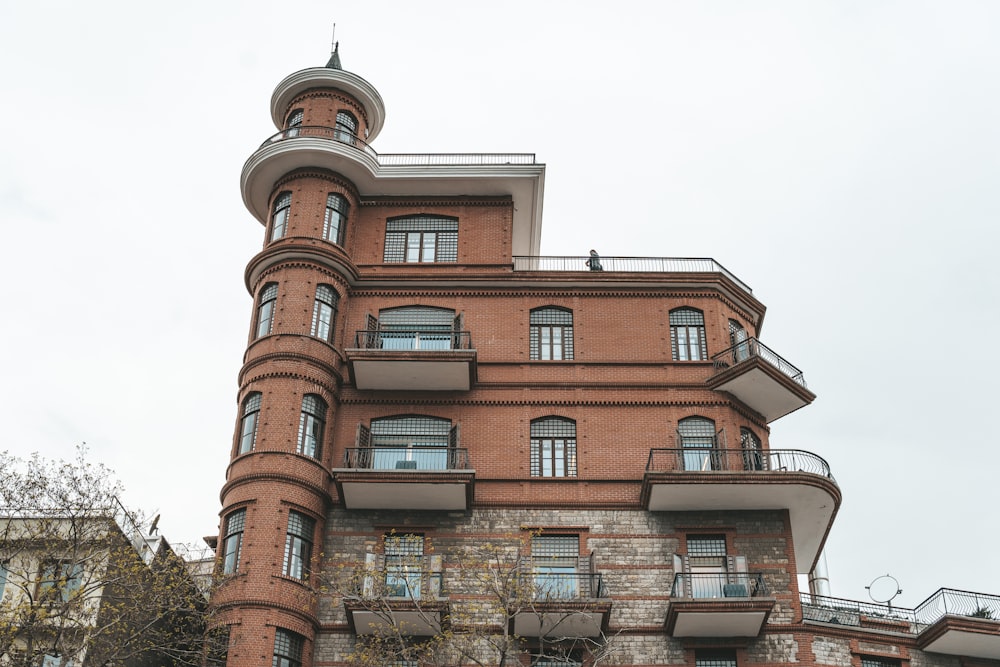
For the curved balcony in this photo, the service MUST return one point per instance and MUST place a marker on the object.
(728, 604)
(759, 377)
(417, 478)
(952, 622)
(710, 478)
(417, 360)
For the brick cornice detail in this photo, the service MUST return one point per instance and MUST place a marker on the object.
(299, 263)
(529, 402)
(317, 93)
(502, 202)
(323, 174)
(267, 603)
(321, 493)
(246, 380)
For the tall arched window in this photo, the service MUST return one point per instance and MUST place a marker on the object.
(311, 422)
(294, 122)
(553, 447)
(687, 335)
(699, 440)
(324, 310)
(248, 423)
(265, 309)
(753, 457)
(232, 541)
(288, 648)
(346, 130)
(551, 334)
(279, 219)
(738, 341)
(335, 219)
(417, 442)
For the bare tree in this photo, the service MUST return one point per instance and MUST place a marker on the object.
(478, 604)
(81, 584)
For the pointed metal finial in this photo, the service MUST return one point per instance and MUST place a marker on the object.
(334, 62)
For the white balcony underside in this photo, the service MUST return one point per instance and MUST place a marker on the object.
(971, 644)
(558, 624)
(811, 508)
(415, 622)
(767, 391)
(409, 375)
(379, 495)
(719, 624)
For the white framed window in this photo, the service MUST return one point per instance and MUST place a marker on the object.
(298, 545)
(324, 310)
(311, 422)
(232, 541)
(279, 218)
(421, 238)
(553, 447)
(551, 334)
(687, 335)
(267, 302)
(335, 218)
(248, 423)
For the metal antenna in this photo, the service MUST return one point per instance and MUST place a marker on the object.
(333, 40)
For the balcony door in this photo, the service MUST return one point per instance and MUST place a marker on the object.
(707, 571)
(555, 561)
(411, 442)
(418, 328)
(738, 341)
(699, 443)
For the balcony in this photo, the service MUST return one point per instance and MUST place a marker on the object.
(718, 605)
(412, 360)
(416, 478)
(407, 600)
(952, 622)
(711, 478)
(960, 623)
(562, 605)
(760, 378)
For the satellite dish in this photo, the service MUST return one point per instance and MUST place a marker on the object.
(884, 589)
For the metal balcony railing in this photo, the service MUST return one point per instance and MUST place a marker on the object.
(753, 348)
(415, 339)
(342, 136)
(850, 612)
(960, 603)
(628, 265)
(705, 459)
(563, 586)
(402, 458)
(697, 585)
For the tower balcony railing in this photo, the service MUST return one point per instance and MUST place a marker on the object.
(342, 136)
(627, 265)
(712, 585)
(752, 348)
(707, 459)
(381, 457)
(416, 339)
(958, 603)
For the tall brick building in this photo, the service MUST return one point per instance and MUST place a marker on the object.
(420, 385)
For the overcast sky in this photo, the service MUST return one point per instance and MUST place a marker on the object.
(840, 157)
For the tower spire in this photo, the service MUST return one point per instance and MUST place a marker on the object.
(334, 62)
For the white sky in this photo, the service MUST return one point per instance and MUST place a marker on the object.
(840, 157)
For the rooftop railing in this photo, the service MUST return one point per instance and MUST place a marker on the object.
(402, 458)
(342, 136)
(384, 339)
(944, 602)
(752, 348)
(705, 459)
(708, 585)
(627, 265)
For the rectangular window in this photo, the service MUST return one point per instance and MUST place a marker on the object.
(404, 565)
(421, 238)
(555, 559)
(233, 541)
(298, 545)
(687, 335)
(287, 649)
(714, 658)
(707, 563)
(59, 580)
(551, 334)
(879, 662)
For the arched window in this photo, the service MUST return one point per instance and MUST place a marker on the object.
(551, 335)
(311, 422)
(294, 122)
(418, 328)
(346, 129)
(288, 647)
(298, 545)
(265, 309)
(324, 310)
(421, 238)
(336, 216)
(753, 457)
(687, 335)
(415, 442)
(738, 341)
(553, 447)
(232, 541)
(279, 219)
(699, 440)
(248, 424)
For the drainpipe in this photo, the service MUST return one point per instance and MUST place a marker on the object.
(819, 578)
